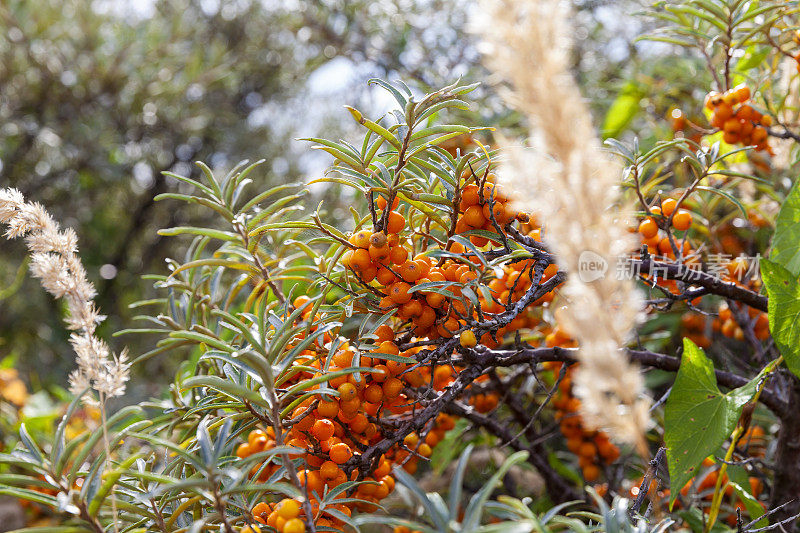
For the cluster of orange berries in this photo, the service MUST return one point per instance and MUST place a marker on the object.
(592, 447)
(654, 237)
(332, 429)
(481, 208)
(739, 122)
(693, 327)
(348, 413)
(704, 487)
(383, 260)
(726, 324)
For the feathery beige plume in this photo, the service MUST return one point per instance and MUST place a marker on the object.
(572, 186)
(55, 262)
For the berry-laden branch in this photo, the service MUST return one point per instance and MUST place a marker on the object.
(477, 361)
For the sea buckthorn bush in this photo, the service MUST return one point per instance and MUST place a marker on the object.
(334, 366)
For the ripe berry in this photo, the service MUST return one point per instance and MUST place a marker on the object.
(398, 292)
(409, 271)
(742, 93)
(468, 339)
(373, 393)
(392, 388)
(384, 333)
(360, 260)
(295, 525)
(381, 202)
(648, 228)
(340, 453)
(347, 392)
(288, 508)
(323, 429)
(379, 254)
(682, 220)
(329, 470)
(328, 409)
(395, 223)
(473, 217)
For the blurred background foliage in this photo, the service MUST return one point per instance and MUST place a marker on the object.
(97, 98)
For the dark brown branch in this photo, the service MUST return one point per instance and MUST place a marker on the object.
(707, 283)
(505, 358)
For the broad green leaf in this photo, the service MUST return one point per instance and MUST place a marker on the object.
(786, 241)
(698, 418)
(783, 290)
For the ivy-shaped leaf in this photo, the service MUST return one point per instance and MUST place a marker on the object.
(783, 290)
(698, 417)
(785, 249)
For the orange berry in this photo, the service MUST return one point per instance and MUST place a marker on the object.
(469, 196)
(243, 450)
(388, 347)
(395, 223)
(409, 271)
(411, 309)
(379, 255)
(385, 276)
(426, 318)
(288, 508)
(328, 409)
(295, 525)
(384, 333)
(468, 339)
(473, 216)
(386, 303)
(373, 393)
(260, 512)
(323, 429)
(392, 388)
(359, 260)
(329, 470)
(398, 292)
(742, 93)
(381, 202)
(499, 211)
(648, 228)
(591, 473)
(732, 125)
(360, 239)
(398, 255)
(730, 138)
(682, 220)
(434, 299)
(347, 391)
(340, 453)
